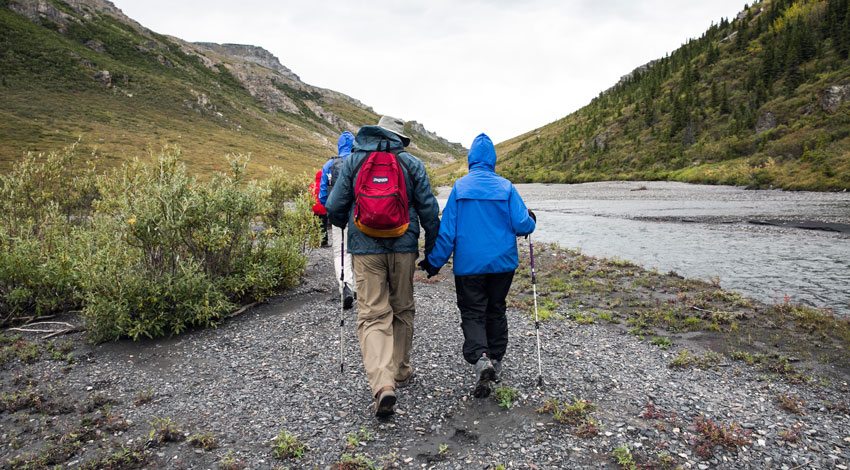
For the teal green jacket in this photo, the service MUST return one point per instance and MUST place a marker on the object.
(422, 205)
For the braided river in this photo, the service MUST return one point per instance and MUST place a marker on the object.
(765, 244)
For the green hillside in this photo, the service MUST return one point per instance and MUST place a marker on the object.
(760, 101)
(85, 71)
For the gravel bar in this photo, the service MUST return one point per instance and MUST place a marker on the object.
(276, 367)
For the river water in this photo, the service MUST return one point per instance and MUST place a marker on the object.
(708, 232)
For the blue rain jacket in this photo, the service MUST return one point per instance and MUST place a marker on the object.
(482, 218)
(344, 145)
(422, 205)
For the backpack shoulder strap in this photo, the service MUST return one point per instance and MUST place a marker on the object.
(387, 150)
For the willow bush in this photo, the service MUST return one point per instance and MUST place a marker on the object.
(44, 204)
(159, 251)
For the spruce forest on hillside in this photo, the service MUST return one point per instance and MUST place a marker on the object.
(759, 101)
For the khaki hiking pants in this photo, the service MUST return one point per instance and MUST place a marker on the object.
(385, 312)
(338, 235)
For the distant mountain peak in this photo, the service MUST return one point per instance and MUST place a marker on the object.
(249, 53)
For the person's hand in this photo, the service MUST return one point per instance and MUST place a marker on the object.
(426, 266)
(534, 218)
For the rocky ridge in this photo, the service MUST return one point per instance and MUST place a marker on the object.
(253, 54)
(305, 120)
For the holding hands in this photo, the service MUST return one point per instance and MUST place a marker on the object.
(426, 266)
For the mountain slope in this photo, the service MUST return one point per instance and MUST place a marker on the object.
(81, 68)
(759, 101)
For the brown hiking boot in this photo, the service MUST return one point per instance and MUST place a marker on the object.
(384, 402)
(406, 382)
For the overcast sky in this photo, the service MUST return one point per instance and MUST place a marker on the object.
(503, 67)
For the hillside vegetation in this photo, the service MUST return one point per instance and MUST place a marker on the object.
(83, 70)
(760, 101)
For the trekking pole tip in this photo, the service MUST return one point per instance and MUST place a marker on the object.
(539, 381)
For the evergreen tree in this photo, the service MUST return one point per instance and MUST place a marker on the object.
(649, 112)
(715, 95)
(687, 75)
(844, 38)
(742, 38)
(752, 79)
(768, 63)
(725, 108)
(803, 40)
(679, 117)
(793, 61)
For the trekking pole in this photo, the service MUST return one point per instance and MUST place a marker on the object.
(341, 299)
(536, 320)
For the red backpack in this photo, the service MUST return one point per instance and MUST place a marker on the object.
(380, 195)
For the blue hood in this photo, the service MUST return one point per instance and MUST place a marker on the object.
(482, 154)
(346, 140)
(482, 218)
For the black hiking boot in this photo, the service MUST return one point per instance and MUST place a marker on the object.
(486, 373)
(347, 297)
(497, 369)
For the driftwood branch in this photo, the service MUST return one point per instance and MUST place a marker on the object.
(23, 321)
(69, 328)
(702, 309)
(63, 332)
(242, 309)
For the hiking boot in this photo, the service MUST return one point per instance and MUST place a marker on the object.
(497, 371)
(406, 382)
(486, 373)
(482, 389)
(384, 402)
(347, 297)
(484, 369)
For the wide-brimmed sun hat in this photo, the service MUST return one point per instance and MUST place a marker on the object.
(396, 126)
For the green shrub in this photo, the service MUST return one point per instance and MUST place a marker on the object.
(505, 396)
(186, 250)
(44, 204)
(287, 446)
(283, 188)
(147, 250)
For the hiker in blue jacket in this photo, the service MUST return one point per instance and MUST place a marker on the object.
(384, 267)
(330, 171)
(482, 218)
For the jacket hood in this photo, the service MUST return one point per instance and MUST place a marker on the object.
(482, 154)
(344, 143)
(369, 137)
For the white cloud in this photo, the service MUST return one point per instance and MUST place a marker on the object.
(459, 67)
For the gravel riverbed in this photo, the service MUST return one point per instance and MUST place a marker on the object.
(276, 367)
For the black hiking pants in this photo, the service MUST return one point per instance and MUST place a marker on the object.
(481, 299)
